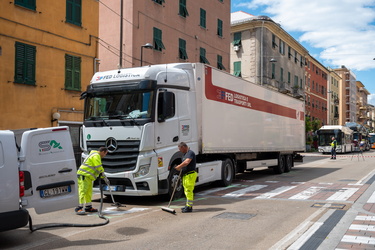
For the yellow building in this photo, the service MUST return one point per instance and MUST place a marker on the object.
(48, 51)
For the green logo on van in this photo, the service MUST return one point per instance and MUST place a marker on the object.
(48, 145)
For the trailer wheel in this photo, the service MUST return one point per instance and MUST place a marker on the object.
(172, 181)
(280, 167)
(288, 163)
(227, 173)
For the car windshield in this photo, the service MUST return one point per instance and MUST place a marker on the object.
(130, 105)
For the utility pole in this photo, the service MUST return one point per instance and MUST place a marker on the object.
(121, 24)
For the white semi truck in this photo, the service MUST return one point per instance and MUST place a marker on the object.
(142, 114)
(39, 173)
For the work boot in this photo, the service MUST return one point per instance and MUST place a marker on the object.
(90, 209)
(79, 211)
(187, 209)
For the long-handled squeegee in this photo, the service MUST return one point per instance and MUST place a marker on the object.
(168, 209)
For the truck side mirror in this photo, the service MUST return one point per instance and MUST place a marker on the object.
(166, 106)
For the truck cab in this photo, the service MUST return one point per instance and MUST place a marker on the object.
(40, 173)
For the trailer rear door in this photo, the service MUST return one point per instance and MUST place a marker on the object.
(47, 158)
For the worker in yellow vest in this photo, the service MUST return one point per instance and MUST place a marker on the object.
(333, 148)
(90, 169)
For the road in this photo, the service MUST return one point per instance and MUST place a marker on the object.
(320, 204)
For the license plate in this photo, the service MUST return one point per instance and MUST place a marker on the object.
(50, 192)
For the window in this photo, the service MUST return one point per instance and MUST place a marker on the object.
(301, 61)
(220, 62)
(237, 39)
(295, 56)
(158, 42)
(72, 72)
(159, 1)
(73, 12)
(289, 76)
(183, 10)
(274, 45)
(182, 49)
(237, 69)
(282, 47)
(273, 71)
(30, 4)
(219, 27)
(296, 81)
(25, 64)
(202, 56)
(281, 75)
(289, 52)
(166, 105)
(203, 18)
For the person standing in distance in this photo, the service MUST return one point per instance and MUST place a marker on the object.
(90, 169)
(189, 175)
(333, 148)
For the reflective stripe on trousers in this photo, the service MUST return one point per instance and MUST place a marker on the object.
(188, 181)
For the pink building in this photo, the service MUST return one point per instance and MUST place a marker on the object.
(179, 31)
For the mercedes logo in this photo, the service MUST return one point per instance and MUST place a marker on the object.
(111, 144)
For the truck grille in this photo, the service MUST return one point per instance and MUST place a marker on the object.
(123, 159)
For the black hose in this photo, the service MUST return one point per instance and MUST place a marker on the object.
(32, 229)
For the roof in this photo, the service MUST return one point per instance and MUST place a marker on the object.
(243, 17)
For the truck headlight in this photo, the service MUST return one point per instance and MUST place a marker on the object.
(143, 170)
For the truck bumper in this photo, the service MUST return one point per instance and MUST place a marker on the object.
(13, 219)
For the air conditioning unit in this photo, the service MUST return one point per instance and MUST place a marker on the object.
(236, 48)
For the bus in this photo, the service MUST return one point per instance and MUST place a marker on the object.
(371, 140)
(360, 133)
(342, 134)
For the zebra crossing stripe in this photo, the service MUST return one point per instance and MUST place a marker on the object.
(358, 239)
(365, 218)
(343, 194)
(275, 192)
(306, 194)
(243, 191)
(372, 198)
(362, 227)
(213, 190)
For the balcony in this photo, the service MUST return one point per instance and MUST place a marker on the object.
(298, 93)
(285, 88)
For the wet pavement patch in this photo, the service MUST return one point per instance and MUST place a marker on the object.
(236, 216)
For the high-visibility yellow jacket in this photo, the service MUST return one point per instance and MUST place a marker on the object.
(92, 166)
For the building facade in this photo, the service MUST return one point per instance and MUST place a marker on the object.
(362, 105)
(333, 97)
(263, 53)
(47, 59)
(347, 95)
(158, 31)
(316, 90)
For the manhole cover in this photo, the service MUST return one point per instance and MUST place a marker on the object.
(331, 190)
(236, 216)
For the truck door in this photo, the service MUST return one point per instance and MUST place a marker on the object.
(47, 159)
(166, 131)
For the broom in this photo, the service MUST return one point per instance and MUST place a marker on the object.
(167, 209)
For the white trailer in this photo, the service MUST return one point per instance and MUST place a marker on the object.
(142, 114)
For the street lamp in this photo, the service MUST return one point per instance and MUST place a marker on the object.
(147, 46)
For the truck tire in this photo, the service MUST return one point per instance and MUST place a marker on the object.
(227, 173)
(288, 163)
(172, 181)
(280, 167)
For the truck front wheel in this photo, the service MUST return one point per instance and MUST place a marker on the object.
(288, 163)
(227, 173)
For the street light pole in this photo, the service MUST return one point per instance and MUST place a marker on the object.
(147, 46)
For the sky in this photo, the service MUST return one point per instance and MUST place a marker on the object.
(335, 32)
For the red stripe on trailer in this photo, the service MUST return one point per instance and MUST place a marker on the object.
(224, 95)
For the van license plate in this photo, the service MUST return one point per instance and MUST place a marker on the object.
(45, 193)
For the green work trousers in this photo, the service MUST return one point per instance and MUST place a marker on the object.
(188, 181)
(84, 191)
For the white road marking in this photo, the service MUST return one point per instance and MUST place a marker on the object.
(243, 191)
(358, 239)
(362, 227)
(306, 194)
(213, 190)
(343, 194)
(275, 192)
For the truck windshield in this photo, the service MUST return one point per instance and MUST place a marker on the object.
(129, 105)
